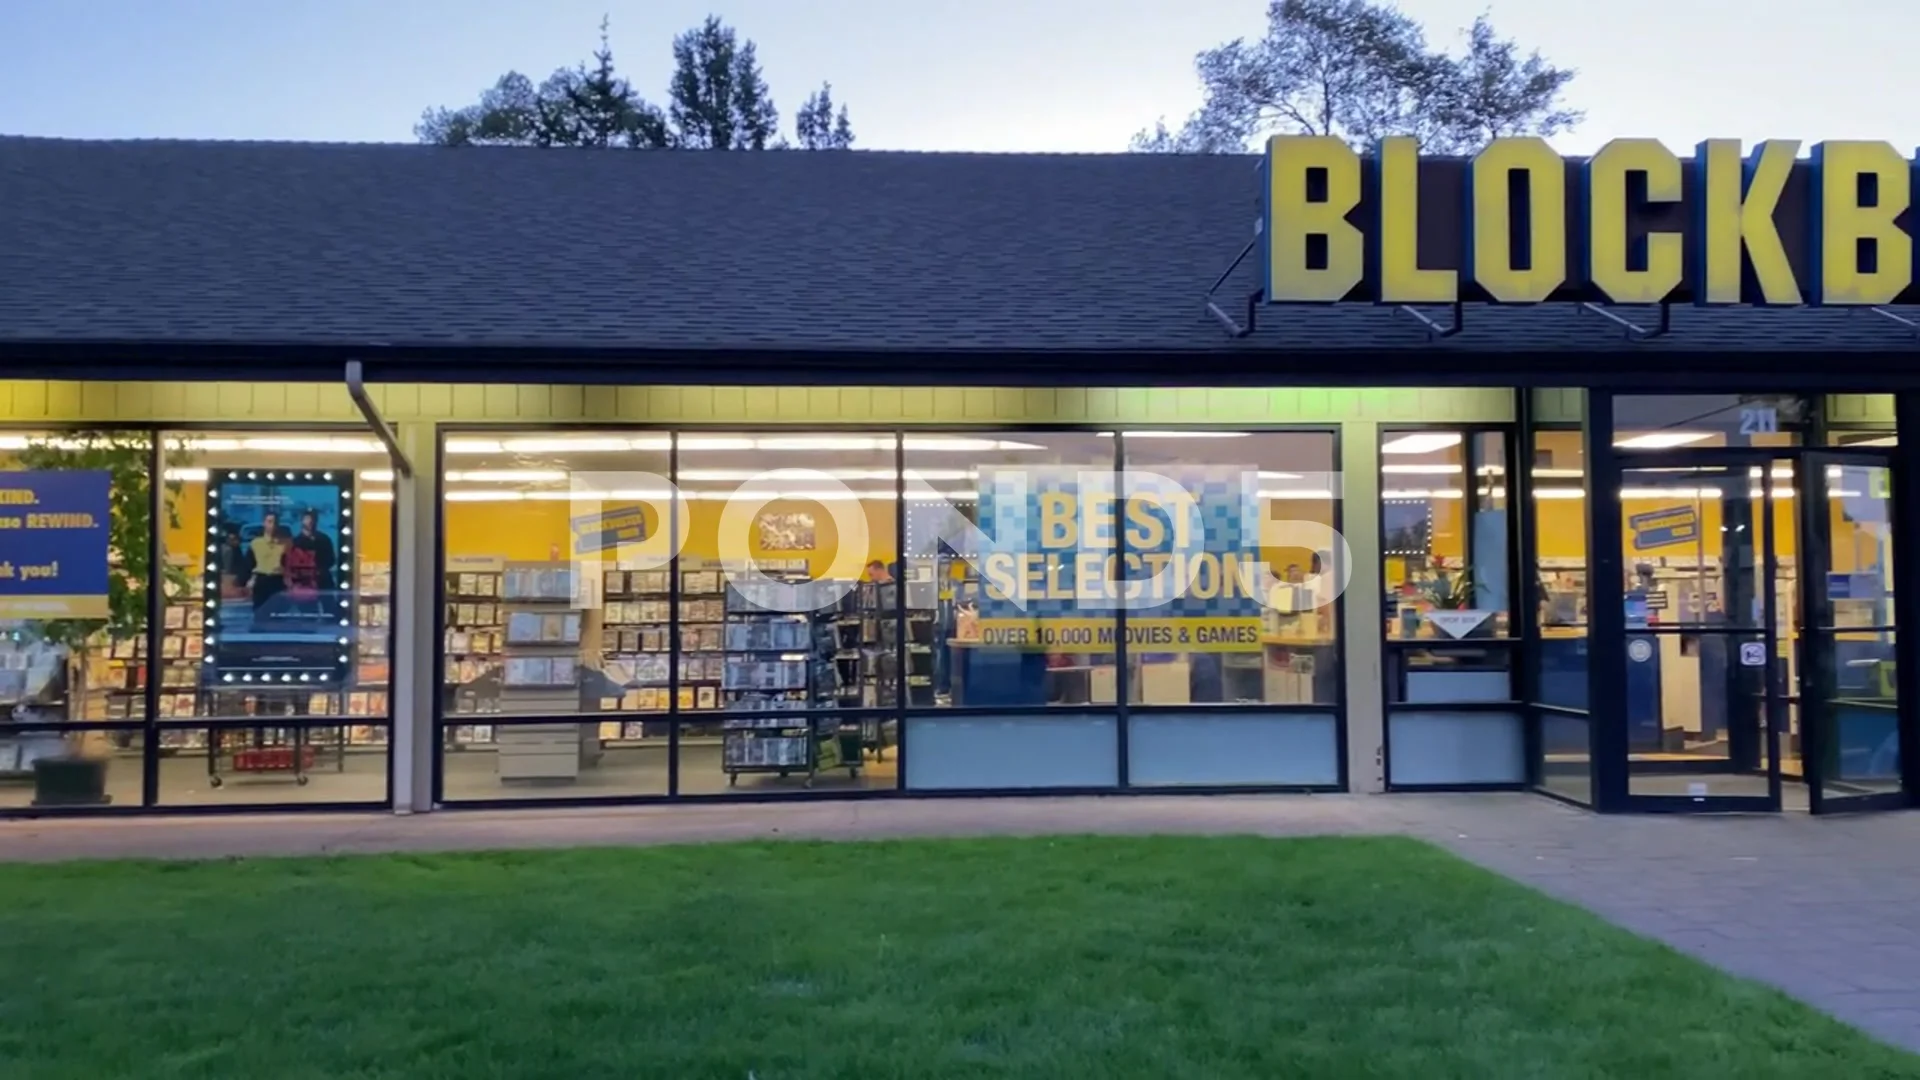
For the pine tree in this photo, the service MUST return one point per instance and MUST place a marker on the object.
(718, 100)
(817, 127)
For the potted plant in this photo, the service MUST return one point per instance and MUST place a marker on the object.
(1450, 596)
(77, 775)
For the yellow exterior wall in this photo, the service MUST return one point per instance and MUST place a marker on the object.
(29, 401)
(1860, 408)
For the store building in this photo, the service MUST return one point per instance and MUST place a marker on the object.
(418, 416)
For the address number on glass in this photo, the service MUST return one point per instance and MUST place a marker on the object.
(1759, 421)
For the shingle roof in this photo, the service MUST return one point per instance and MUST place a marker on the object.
(289, 243)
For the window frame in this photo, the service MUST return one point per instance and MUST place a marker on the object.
(1513, 645)
(440, 721)
(151, 723)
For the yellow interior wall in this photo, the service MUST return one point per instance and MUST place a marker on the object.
(536, 530)
(1561, 525)
(531, 530)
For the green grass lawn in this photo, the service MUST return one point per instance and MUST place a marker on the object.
(1071, 958)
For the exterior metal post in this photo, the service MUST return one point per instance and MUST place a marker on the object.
(1606, 612)
(1906, 601)
(416, 593)
(1524, 576)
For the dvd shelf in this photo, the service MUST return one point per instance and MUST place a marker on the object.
(634, 647)
(783, 649)
(776, 659)
(115, 672)
(600, 641)
(703, 621)
(547, 612)
(474, 646)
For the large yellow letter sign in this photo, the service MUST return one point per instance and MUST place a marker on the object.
(1859, 188)
(1396, 231)
(1607, 210)
(1313, 252)
(1490, 220)
(1736, 201)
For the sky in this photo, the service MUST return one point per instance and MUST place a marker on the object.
(981, 75)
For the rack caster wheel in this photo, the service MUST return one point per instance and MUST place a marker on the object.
(301, 780)
(215, 781)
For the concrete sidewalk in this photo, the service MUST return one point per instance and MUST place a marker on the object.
(1827, 909)
(330, 834)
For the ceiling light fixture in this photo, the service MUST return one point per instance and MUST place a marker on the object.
(1423, 442)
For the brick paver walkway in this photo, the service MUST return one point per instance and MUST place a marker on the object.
(1827, 909)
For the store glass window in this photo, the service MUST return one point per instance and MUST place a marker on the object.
(790, 612)
(275, 652)
(556, 615)
(1242, 609)
(1012, 581)
(1447, 578)
(1444, 529)
(1235, 603)
(1012, 588)
(75, 509)
(1656, 422)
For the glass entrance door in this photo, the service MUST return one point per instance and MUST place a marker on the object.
(1849, 700)
(1707, 666)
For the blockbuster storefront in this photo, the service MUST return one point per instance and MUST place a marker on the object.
(364, 477)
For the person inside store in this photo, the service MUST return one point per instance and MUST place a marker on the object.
(235, 564)
(877, 572)
(267, 550)
(308, 569)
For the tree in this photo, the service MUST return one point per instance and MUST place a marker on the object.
(1496, 92)
(126, 459)
(818, 127)
(1360, 70)
(578, 106)
(718, 99)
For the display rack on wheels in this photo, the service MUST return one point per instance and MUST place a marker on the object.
(266, 750)
(785, 746)
(780, 645)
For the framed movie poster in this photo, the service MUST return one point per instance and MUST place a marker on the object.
(279, 577)
(786, 531)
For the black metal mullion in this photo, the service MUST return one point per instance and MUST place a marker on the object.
(673, 618)
(903, 695)
(392, 635)
(1123, 683)
(1773, 701)
(1390, 672)
(1339, 565)
(156, 616)
(438, 676)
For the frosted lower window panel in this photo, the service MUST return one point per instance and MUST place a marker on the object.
(1436, 747)
(987, 752)
(1214, 749)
